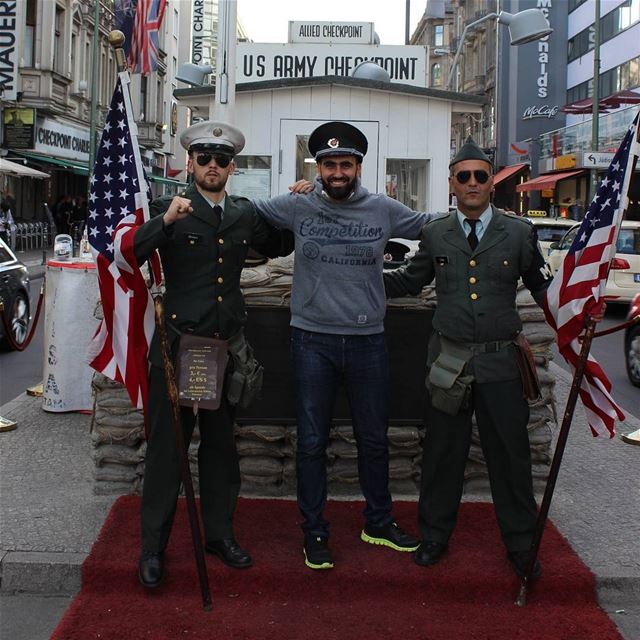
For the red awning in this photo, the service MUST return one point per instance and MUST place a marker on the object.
(614, 101)
(547, 181)
(507, 172)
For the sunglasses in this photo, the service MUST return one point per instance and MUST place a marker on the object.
(464, 176)
(222, 160)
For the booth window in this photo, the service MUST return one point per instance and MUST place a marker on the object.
(406, 181)
(305, 163)
(252, 177)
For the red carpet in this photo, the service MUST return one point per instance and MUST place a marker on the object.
(372, 593)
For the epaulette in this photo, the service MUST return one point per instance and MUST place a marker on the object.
(235, 198)
(440, 218)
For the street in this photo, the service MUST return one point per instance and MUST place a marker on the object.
(22, 369)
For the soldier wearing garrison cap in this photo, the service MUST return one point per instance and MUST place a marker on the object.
(337, 310)
(477, 255)
(202, 236)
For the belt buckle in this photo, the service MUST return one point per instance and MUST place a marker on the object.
(493, 347)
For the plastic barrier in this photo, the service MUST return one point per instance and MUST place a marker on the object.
(69, 325)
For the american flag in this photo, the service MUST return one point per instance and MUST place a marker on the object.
(143, 55)
(578, 287)
(118, 204)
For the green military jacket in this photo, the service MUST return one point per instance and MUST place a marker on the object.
(202, 260)
(476, 289)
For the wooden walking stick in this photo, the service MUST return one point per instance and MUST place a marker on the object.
(116, 39)
(521, 600)
(185, 471)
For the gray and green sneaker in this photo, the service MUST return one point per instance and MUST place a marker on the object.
(316, 552)
(390, 535)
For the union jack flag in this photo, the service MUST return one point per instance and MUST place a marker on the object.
(145, 43)
(118, 205)
(578, 287)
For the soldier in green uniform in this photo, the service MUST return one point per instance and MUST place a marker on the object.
(477, 255)
(203, 236)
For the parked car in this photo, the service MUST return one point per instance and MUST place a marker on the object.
(624, 277)
(632, 343)
(550, 230)
(14, 293)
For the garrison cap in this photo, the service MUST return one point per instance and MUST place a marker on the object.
(470, 151)
(337, 139)
(217, 137)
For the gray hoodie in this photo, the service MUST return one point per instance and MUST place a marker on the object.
(339, 249)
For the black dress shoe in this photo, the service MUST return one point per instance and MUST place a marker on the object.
(151, 569)
(430, 552)
(518, 560)
(230, 552)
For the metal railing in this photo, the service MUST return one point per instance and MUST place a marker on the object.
(32, 235)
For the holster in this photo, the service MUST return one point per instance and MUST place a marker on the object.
(449, 387)
(527, 366)
(245, 383)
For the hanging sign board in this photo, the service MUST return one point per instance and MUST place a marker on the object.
(331, 32)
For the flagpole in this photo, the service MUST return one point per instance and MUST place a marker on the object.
(557, 460)
(578, 376)
(116, 39)
(94, 86)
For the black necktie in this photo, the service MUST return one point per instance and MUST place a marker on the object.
(472, 237)
(217, 214)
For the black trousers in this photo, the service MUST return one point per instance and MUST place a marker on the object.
(502, 415)
(218, 468)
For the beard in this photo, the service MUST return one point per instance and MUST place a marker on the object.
(211, 183)
(339, 191)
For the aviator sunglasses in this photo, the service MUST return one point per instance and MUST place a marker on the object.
(464, 176)
(222, 160)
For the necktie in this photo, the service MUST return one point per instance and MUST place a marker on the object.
(472, 237)
(217, 214)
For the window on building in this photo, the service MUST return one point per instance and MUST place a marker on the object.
(406, 181)
(144, 89)
(574, 4)
(29, 35)
(58, 40)
(436, 75)
(252, 177)
(438, 35)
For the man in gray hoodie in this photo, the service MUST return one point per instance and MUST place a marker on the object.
(337, 311)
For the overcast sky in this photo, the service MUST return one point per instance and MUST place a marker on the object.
(268, 20)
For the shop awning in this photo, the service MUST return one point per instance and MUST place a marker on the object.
(20, 171)
(161, 180)
(72, 165)
(547, 181)
(508, 172)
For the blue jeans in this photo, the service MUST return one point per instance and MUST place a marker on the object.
(321, 363)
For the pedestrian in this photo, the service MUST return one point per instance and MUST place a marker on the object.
(203, 236)
(472, 359)
(337, 311)
(6, 222)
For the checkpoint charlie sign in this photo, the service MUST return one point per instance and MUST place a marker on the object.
(258, 62)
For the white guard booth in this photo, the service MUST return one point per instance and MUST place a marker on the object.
(69, 325)
(408, 128)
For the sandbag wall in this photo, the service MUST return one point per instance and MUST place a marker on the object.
(267, 451)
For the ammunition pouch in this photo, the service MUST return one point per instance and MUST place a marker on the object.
(449, 387)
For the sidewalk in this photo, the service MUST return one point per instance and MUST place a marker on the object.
(49, 516)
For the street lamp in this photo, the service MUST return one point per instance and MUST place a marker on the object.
(524, 26)
(193, 74)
